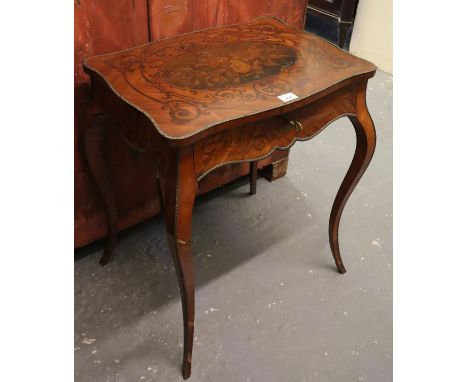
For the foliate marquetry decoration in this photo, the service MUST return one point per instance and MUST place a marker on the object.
(228, 65)
(191, 82)
(243, 143)
(257, 140)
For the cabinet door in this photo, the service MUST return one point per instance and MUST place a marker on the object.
(172, 17)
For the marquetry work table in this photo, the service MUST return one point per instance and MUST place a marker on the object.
(224, 95)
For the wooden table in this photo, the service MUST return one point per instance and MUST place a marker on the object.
(223, 95)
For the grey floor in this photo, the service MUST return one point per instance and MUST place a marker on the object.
(270, 305)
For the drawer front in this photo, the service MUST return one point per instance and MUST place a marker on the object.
(314, 117)
(242, 144)
(257, 140)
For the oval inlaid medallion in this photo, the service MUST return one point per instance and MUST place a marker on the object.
(226, 65)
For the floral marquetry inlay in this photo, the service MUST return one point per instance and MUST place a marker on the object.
(189, 83)
(225, 65)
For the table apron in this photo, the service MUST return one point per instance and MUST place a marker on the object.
(255, 141)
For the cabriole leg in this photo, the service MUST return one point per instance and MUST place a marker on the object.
(92, 150)
(179, 187)
(365, 146)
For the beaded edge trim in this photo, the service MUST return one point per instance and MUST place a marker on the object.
(188, 135)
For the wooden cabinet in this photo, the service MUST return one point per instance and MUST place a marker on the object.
(344, 10)
(104, 26)
(341, 12)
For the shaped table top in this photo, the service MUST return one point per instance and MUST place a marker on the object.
(191, 82)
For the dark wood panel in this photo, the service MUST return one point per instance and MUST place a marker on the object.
(343, 10)
(331, 6)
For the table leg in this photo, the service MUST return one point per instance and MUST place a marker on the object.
(253, 177)
(179, 186)
(91, 142)
(365, 146)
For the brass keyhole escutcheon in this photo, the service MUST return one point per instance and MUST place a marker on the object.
(297, 125)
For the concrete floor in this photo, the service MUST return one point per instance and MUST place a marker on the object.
(270, 305)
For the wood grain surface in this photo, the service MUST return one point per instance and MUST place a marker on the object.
(171, 17)
(245, 82)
